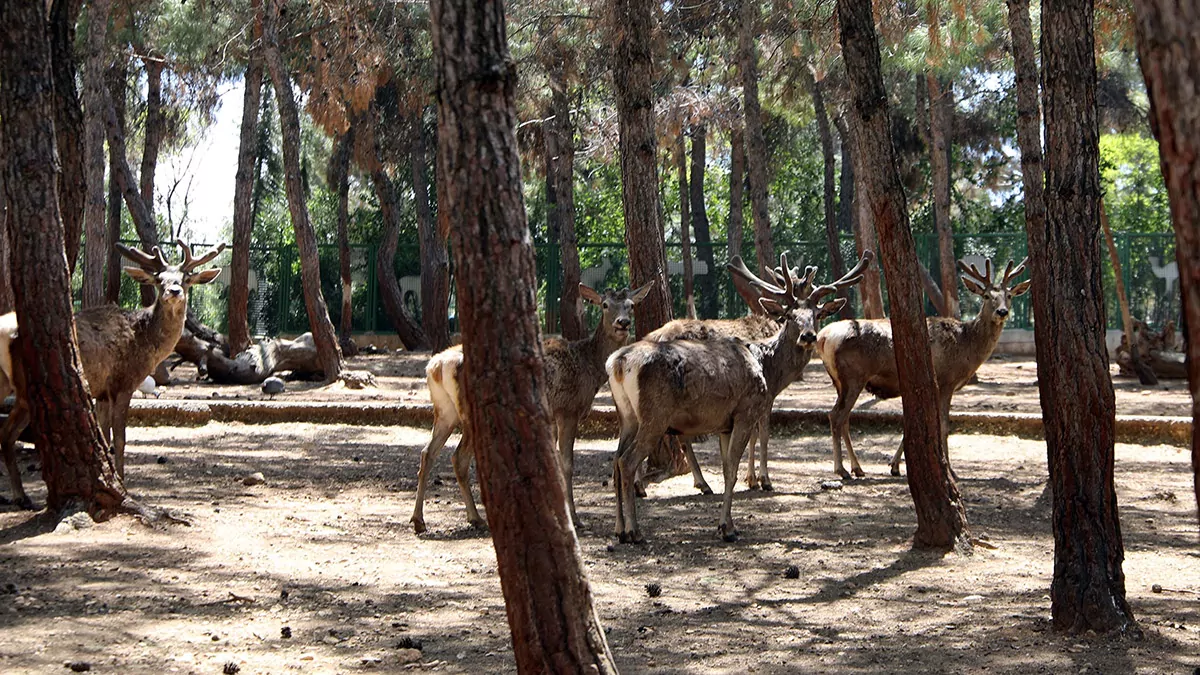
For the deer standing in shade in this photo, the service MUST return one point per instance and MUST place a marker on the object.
(859, 354)
(118, 349)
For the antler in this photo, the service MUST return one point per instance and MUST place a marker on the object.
(984, 278)
(151, 262)
(848, 279)
(785, 296)
(190, 263)
(1010, 273)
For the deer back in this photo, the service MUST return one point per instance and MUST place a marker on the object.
(748, 328)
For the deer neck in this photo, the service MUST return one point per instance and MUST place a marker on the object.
(596, 348)
(165, 325)
(782, 359)
(981, 334)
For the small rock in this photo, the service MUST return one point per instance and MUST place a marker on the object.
(371, 661)
(272, 385)
(973, 598)
(161, 459)
(285, 632)
(407, 642)
(79, 666)
(256, 478)
(792, 572)
(653, 590)
(404, 656)
(832, 485)
(1157, 588)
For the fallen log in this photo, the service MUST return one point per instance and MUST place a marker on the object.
(257, 363)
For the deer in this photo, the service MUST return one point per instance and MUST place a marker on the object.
(859, 354)
(118, 349)
(719, 385)
(574, 373)
(758, 325)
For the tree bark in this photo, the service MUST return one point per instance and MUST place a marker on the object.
(941, 515)
(75, 461)
(1078, 408)
(633, 79)
(940, 106)
(845, 214)
(1168, 54)
(863, 223)
(6, 290)
(837, 266)
(243, 204)
(68, 124)
(554, 625)
(96, 251)
(737, 187)
(306, 238)
(685, 224)
(1137, 361)
(704, 250)
(435, 260)
(339, 180)
(756, 145)
(156, 125)
(117, 79)
(407, 329)
(562, 140)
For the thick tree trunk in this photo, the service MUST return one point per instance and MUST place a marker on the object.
(156, 125)
(252, 366)
(94, 97)
(940, 107)
(407, 329)
(68, 124)
(685, 225)
(837, 266)
(435, 259)
(756, 144)
(339, 180)
(1078, 409)
(143, 221)
(243, 206)
(863, 223)
(704, 250)
(554, 625)
(6, 289)
(941, 515)
(306, 238)
(845, 214)
(551, 308)
(633, 79)
(117, 80)
(562, 140)
(737, 189)
(1168, 54)
(75, 461)
(1137, 360)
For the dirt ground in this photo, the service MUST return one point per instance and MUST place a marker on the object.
(317, 570)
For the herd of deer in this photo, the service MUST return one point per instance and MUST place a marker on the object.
(693, 377)
(689, 377)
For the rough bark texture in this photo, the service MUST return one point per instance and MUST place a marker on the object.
(156, 125)
(306, 238)
(96, 250)
(1169, 54)
(1078, 408)
(118, 75)
(941, 515)
(435, 260)
(255, 364)
(940, 107)
(407, 329)
(737, 189)
(633, 79)
(6, 289)
(143, 220)
(243, 207)
(75, 460)
(685, 225)
(756, 144)
(862, 223)
(704, 250)
(837, 266)
(68, 124)
(339, 180)
(554, 625)
(562, 140)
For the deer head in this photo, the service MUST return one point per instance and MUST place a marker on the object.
(617, 308)
(997, 297)
(794, 297)
(172, 281)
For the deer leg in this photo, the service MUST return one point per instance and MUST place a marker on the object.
(698, 481)
(443, 426)
(752, 480)
(461, 460)
(567, 427)
(732, 446)
(117, 415)
(629, 457)
(763, 434)
(17, 420)
(839, 424)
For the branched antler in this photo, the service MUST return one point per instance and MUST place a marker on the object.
(190, 263)
(151, 262)
(848, 279)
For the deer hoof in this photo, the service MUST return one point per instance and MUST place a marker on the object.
(477, 523)
(639, 490)
(845, 475)
(418, 525)
(26, 503)
(634, 537)
(859, 473)
(895, 470)
(766, 486)
(704, 489)
(729, 535)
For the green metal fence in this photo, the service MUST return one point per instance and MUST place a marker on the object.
(277, 301)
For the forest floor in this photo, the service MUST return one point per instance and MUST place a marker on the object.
(317, 569)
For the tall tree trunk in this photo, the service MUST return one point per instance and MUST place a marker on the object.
(552, 308)
(94, 96)
(940, 105)
(243, 205)
(704, 250)
(156, 125)
(555, 627)
(339, 180)
(562, 138)
(737, 189)
(328, 353)
(75, 461)
(836, 264)
(633, 77)
(756, 144)
(863, 223)
(143, 221)
(1078, 409)
(941, 515)
(685, 224)
(845, 214)
(1142, 367)
(1168, 53)
(118, 75)
(6, 289)
(435, 259)
(68, 124)
(407, 329)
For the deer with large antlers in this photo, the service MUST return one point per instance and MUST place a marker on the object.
(758, 325)
(118, 348)
(720, 385)
(859, 354)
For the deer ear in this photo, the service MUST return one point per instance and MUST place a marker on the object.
(973, 286)
(641, 293)
(589, 294)
(204, 277)
(140, 275)
(1021, 288)
(771, 307)
(831, 307)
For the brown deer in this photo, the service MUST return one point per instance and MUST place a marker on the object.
(574, 373)
(859, 354)
(118, 348)
(758, 325)
(719, 385)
